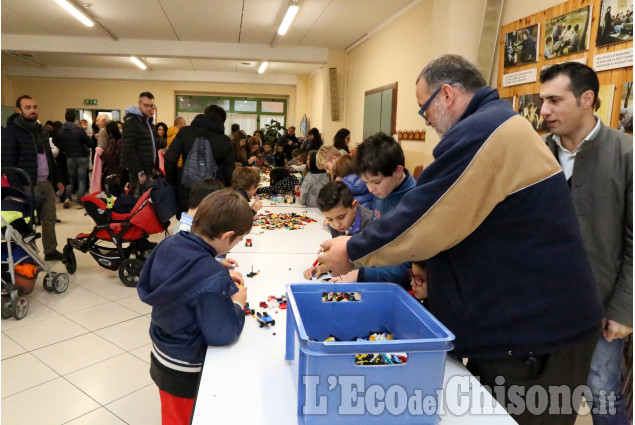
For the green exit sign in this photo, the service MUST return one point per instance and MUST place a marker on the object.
(90, 101)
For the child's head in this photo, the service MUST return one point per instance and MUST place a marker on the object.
(278, 174)
(338, 205)
(326, 156)
(380, 162)
(301, 158)
(313, 168)
(295, 152)
(201, 189)
(254, 142)
(419, 279)
(222, 219)
(343, 166)
(247, 179)
(279, 148)
(266, 147)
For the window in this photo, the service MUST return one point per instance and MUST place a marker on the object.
(245, 106)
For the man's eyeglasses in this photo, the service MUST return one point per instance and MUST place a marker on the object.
(148, 105)
(418, 279)
(426, 105)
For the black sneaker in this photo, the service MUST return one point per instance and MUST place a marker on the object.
(54, 256)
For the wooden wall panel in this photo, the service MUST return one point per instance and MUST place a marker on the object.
(616, 76)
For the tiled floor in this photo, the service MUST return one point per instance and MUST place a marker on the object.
(82, 357)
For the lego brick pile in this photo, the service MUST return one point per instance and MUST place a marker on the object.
(289, 221)
(374, 359)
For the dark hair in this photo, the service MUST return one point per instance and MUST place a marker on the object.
(19, 101)
(235, 128)
(378, 154)
(339, 140)
(295, 152)
(291, 127)
(49, 122)
(316, 143)
(548, 40)
(201, 189)
(333, 194)
(278, 174)
(146, 94)
(451, 68)
(245, 178)
(216, 112)
(165, 128)
(343, 166)
(220, 212)
(112, 129)
(95, 128)
(240, 152)
(70, 115)
(422, 264)
(581, 78)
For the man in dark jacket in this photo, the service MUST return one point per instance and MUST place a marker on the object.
(209, 125)
(289, 141)
(25, 145)
(507, 270)
(140, 144)
(598, 164)
(74, 143)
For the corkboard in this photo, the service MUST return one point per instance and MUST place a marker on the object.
(615, 76)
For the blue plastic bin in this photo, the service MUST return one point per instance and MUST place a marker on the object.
(331, 388)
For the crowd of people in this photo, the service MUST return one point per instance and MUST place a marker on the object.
(524, 257)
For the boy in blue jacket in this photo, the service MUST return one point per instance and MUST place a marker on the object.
(343, 214)
(380, 163)
(195, 302)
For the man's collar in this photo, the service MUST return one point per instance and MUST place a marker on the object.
(592, 135)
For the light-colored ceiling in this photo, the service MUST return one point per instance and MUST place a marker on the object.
(193, 36)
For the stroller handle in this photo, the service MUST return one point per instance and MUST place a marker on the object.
(31, 188)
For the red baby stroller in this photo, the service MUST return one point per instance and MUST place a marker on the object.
(106, 242)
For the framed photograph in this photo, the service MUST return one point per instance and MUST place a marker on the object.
(626, 109)
(529, 107)
(605, 96)
(511, 100)
(616, 22)
(568, 33)
(521, 46)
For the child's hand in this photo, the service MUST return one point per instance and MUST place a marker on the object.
(237, 277)
(296, 189)
(229, 263)
(240, 296)
(256, 205)
(312, 272)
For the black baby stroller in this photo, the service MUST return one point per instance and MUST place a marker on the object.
(21, 262)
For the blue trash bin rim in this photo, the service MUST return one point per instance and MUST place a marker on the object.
(441, 341)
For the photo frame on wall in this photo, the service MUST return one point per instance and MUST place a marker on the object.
(521, 46)
(605, 96)
(615, 23)
(529, 108)
(626, 108)
(567, 34)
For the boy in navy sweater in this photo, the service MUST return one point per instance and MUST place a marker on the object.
(343, 214)
(380, 163)
(195, 303)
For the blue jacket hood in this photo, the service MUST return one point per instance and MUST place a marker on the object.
(133, 110)
(162, 280)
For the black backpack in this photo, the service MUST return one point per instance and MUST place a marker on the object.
(200, 163)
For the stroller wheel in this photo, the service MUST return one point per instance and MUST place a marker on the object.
(6, 307)
(60, 283)
(129, 272)
(69, 259)
(20, 308)
(48, 282)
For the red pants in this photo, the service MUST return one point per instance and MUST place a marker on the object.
(175, 410)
